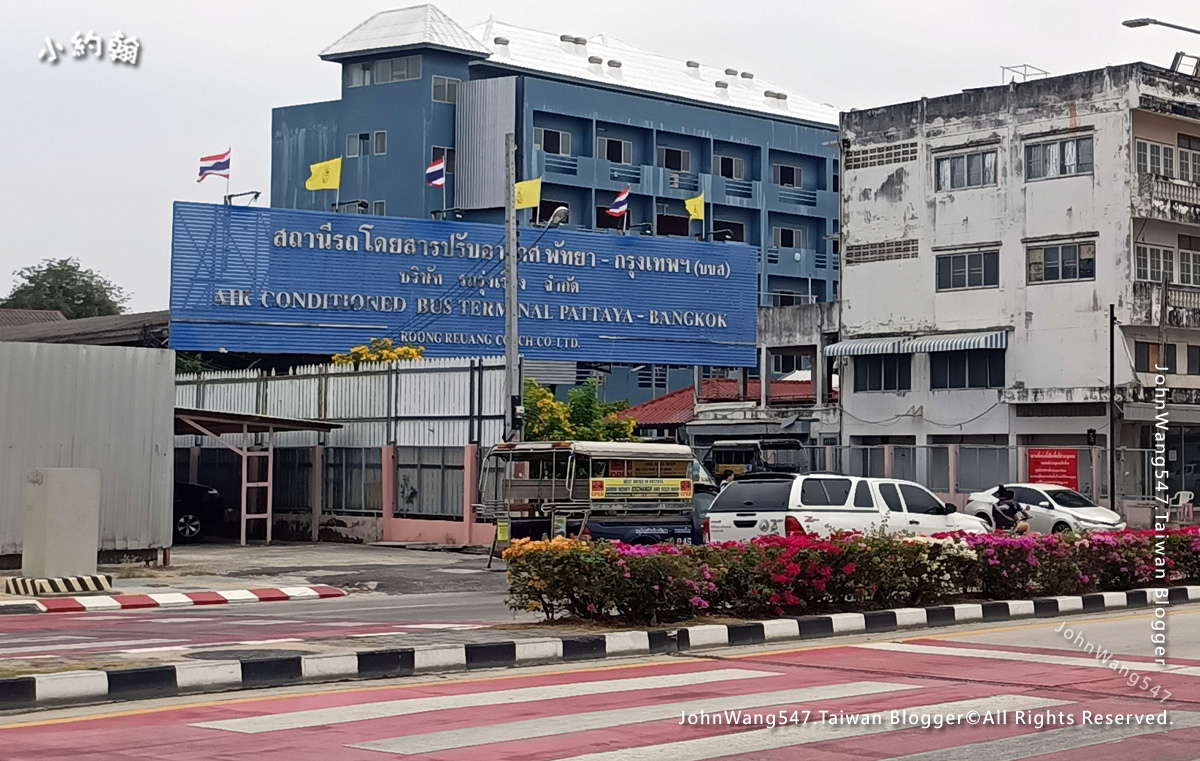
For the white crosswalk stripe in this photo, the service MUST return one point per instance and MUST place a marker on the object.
(1034, 744)
(1083, 660)
(763, 740)
(385, 709)
(582, 722)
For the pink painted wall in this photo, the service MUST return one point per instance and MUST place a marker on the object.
(458, 532)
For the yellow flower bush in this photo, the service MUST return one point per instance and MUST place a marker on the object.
(379, 350)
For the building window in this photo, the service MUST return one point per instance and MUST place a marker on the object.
(670, 224)
(358, 74)
(883, 372)
(969, 170)
(1070, 261)
(972, 368)
(1146, 358)
(652, 376)
(445, 89)
(731, 167)
(547, 206)
(1156, 264)
(358, 144)
(379, 208)
(1189, 260)
(380, 143)
(605, 221)
(552, 141)
(1159, 159)
(444, 153)
(959, 271)
(1058, 158)
(789, 237)
(616, 151)
(725, 230)
(785, 364)
(402, 69)
(1193, 360)
(674, 158)
(836, 182)
(789, 176)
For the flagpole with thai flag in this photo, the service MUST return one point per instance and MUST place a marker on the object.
(216, 165)
(620, 208)
(435, 175)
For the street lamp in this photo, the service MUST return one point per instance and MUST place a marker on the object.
(1136, 23)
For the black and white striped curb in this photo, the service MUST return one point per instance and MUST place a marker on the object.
(22, 585)
(214, 676)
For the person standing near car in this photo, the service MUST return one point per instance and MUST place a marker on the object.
(727, 480)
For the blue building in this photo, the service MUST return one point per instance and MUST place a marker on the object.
(592, 117)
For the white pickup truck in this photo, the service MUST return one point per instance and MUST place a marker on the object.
(788, 504)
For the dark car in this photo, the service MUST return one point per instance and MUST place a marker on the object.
(199, 512)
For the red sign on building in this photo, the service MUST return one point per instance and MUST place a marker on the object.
(1054, 466)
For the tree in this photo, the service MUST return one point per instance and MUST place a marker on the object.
(583, 417)
(64, 285)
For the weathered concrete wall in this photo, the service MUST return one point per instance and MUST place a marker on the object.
(1058, 345)
(799, 325)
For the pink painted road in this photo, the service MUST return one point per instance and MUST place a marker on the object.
(863, 698)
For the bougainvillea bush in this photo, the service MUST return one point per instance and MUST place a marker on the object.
(797, 575)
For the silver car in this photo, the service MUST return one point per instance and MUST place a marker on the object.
(1051, 509)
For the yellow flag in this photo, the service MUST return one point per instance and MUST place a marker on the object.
(695, 207)
(528, 194)
(326, 175)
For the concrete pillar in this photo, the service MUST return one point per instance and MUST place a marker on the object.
(61, 532)
(1022, 464)
(764, 374)
(820, 383)
(952, 458)
(470, 489)
(742, 383)
(316, 490)
(387, 465)
(889, 454)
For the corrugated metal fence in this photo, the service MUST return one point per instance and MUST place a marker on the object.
(434, 402)
(100, 407)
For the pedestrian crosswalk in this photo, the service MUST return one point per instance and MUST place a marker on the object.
(643, 715)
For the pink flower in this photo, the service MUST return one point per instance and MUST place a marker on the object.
(848, 568)
(699, 602)
(628, 575)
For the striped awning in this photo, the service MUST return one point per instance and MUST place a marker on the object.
(855, 347)
(991, 339)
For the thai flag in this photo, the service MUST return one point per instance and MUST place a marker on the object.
(216, 165)
(435, 173)
(620, 205)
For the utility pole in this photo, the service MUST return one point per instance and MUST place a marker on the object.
(1112, 406)
(512, 362)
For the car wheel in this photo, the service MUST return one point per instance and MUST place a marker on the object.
(188, 527)
(1060, 527)
(984, 517)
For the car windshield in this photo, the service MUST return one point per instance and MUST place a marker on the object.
(1068, 498)
(754, 496)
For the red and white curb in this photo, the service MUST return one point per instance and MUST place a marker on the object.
(173, 599)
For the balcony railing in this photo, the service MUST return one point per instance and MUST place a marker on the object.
(561, 164)
(1168, 199)
(798, 196)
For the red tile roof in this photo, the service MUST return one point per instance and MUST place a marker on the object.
(676, 408)
(12, 318)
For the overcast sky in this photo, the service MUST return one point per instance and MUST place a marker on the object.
(94, 153)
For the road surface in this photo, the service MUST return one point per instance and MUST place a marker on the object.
(1028, 691)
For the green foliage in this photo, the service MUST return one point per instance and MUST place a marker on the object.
(64, 285)
(582, 418)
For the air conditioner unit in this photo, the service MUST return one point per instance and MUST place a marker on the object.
(674, 181)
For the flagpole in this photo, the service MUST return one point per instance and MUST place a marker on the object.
(228, 155)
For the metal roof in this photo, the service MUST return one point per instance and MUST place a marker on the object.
(550, 53)
(678, 407)
(629, 450)
(233, 422)
(990, 339)
(12, 318)
(418, 26)
(112, 330)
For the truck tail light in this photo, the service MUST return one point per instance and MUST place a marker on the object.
(705, 531)
(792, 527)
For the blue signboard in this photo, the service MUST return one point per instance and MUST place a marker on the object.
(299, 282)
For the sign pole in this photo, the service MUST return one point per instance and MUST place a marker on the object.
(512, 366)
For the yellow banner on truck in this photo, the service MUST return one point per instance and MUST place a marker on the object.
(641, 488)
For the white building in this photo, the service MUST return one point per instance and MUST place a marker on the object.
(985, 235)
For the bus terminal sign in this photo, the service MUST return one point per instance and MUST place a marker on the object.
(296, 282)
